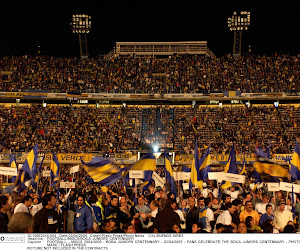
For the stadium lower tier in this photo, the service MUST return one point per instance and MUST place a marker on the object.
(115, 129)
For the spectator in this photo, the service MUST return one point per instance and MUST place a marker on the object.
(111, 209)
(267, 215)
(282, 217)
(250, 225)
(128, 228)
(36, 206)
(177, 228)
(24, 205)
(249, 212)
(142, 209)
(167, 218)
(242, 228)
(192, 214)
(21, 222)
(198, 228)
(225, 217)
(84, 218)
(46, 220)
(4, 208)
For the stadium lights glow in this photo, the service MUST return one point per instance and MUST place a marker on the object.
(155, 148)
(239, 22)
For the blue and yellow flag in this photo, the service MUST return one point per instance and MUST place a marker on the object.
(295, 164)
(269, 171)
(195, 168)
(169, 175)
(230, 167)
(204, 167)
(29, 165)
(54, 169)
(24, 177)
(146, 163)
(243, 170)
(103, 171)
(12, 164)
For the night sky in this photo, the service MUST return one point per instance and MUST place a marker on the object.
(25, 26)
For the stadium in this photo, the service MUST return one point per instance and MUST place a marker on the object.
(150, 137)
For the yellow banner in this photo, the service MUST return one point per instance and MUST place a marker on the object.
(14, 94)
(71, 157)
(124, 156)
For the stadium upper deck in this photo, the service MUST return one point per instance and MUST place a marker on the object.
(174, 74)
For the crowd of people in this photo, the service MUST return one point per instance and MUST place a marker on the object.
(115, 129)
(115, 209)
(175, 74)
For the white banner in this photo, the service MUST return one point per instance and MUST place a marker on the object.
(234, 177)
(8, 171)
(46, 173)
(74, 169)
(185, 186)
(273, 186)
(215, 176)
(158, 180)
(181, 176)
(136, 174)
(284, 186)
(67, 184)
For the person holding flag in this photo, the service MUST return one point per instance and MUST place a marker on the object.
(12, 164)
(200, 168)
(169, 175)
(231, 167)
(54, 170)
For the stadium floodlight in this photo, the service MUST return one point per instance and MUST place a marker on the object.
(238, 23)
(82, 25)
(155, 148)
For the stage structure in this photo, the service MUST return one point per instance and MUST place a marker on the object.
(81, 25)
(238, 23)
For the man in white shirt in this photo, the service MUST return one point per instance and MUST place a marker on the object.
(260, 207)
(152, 215)
(209, 215)
(225, 217)
(24, 206)
(282, 217)
(234, 191)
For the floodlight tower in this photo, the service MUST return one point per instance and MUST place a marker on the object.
(238, 23)
(82, 25)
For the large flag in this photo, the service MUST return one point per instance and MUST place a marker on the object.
(103, 171)
(29, 165)
(230, 167)
(147, 163)
(24, 179)
(195, 168)
(54, 169)
(243, 169)
(12, 164)
(36, 180)
(200, 168)
(204, 168)
(169, 175)
(295, 164)
(270, 171)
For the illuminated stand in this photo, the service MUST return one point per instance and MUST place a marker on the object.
(238, 23)
(82, 25)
